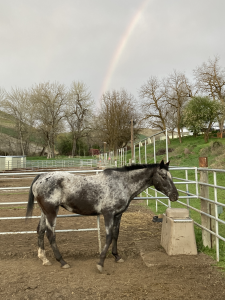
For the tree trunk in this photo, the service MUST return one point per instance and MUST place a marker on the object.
(178, 124)
(221, 123)
(49, 151)
(42, 151)
(74, 146)
(206, 134)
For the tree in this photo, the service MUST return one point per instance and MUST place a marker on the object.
(153, 106)
(178, 90)
(210, 80)
(17, 104)
(49, 100)
(78, 112)
(200, 113)
(117, 109)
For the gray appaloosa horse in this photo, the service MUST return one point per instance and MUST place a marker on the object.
(108, 193)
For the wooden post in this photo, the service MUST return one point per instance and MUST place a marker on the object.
(205, 207)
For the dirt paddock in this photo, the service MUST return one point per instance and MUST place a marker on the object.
(147, 273)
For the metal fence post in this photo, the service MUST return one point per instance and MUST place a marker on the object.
(167, 156)
(154, 150)
(214, 223)
(204, 192)
(187, 189)
(145, 151)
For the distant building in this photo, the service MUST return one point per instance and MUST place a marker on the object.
(12, 162)
(93, 152)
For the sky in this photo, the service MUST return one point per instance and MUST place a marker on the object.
(107, 44)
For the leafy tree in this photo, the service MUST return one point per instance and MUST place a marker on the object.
(64, 144)
(200, 113)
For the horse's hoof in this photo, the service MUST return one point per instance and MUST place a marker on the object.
(66, 266)
(47, 263)
(99, 268)
(120, 260)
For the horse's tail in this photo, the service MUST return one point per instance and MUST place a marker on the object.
(30, 203)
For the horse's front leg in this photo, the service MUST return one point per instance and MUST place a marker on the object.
(108, 228)
(115, 235)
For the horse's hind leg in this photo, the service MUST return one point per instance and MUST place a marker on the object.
(50, 233)
(41, 233)
(115, 234)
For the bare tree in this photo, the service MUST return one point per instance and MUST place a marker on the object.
(78, 112)
(17, 104)
(154, 107)
(210, 80)
(114, 118)
(49, 100)
(178, 90)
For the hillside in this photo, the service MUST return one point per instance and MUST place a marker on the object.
(7, 124)
(188, 152)
(9, 143)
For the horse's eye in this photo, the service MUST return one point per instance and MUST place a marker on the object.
(164, 176)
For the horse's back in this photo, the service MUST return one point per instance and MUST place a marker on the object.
(78, 194)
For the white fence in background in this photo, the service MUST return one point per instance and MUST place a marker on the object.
(122, 152)
(43, 164)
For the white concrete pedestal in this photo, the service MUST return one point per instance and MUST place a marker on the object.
(178, 235)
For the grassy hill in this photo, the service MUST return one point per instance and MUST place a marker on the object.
(187, 153)
(7, 124)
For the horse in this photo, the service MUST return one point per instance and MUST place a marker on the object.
(108, 193)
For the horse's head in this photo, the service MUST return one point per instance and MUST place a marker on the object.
(162, 181)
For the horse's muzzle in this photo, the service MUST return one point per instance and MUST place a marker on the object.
(174, 197)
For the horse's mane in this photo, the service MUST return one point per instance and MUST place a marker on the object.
(108, 171)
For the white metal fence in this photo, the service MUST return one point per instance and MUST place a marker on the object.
(48, 164)
(122, 152)
(215, 225)
(37, 217)
(189, 187)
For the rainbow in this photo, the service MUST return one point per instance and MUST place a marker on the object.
(120, 48)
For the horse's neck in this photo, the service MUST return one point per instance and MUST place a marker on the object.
(139, 180)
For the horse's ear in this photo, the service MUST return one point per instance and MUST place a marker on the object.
(168, 163)
(161, 165)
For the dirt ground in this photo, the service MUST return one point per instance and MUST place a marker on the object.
(147, 273)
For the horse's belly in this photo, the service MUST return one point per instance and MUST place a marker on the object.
(81, 206)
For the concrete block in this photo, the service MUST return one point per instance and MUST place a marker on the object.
(179, 213)
(177, 236)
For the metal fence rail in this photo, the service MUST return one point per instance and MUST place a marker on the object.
(152, 194)
(59, 216)
(196, 196)
(46, 164)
